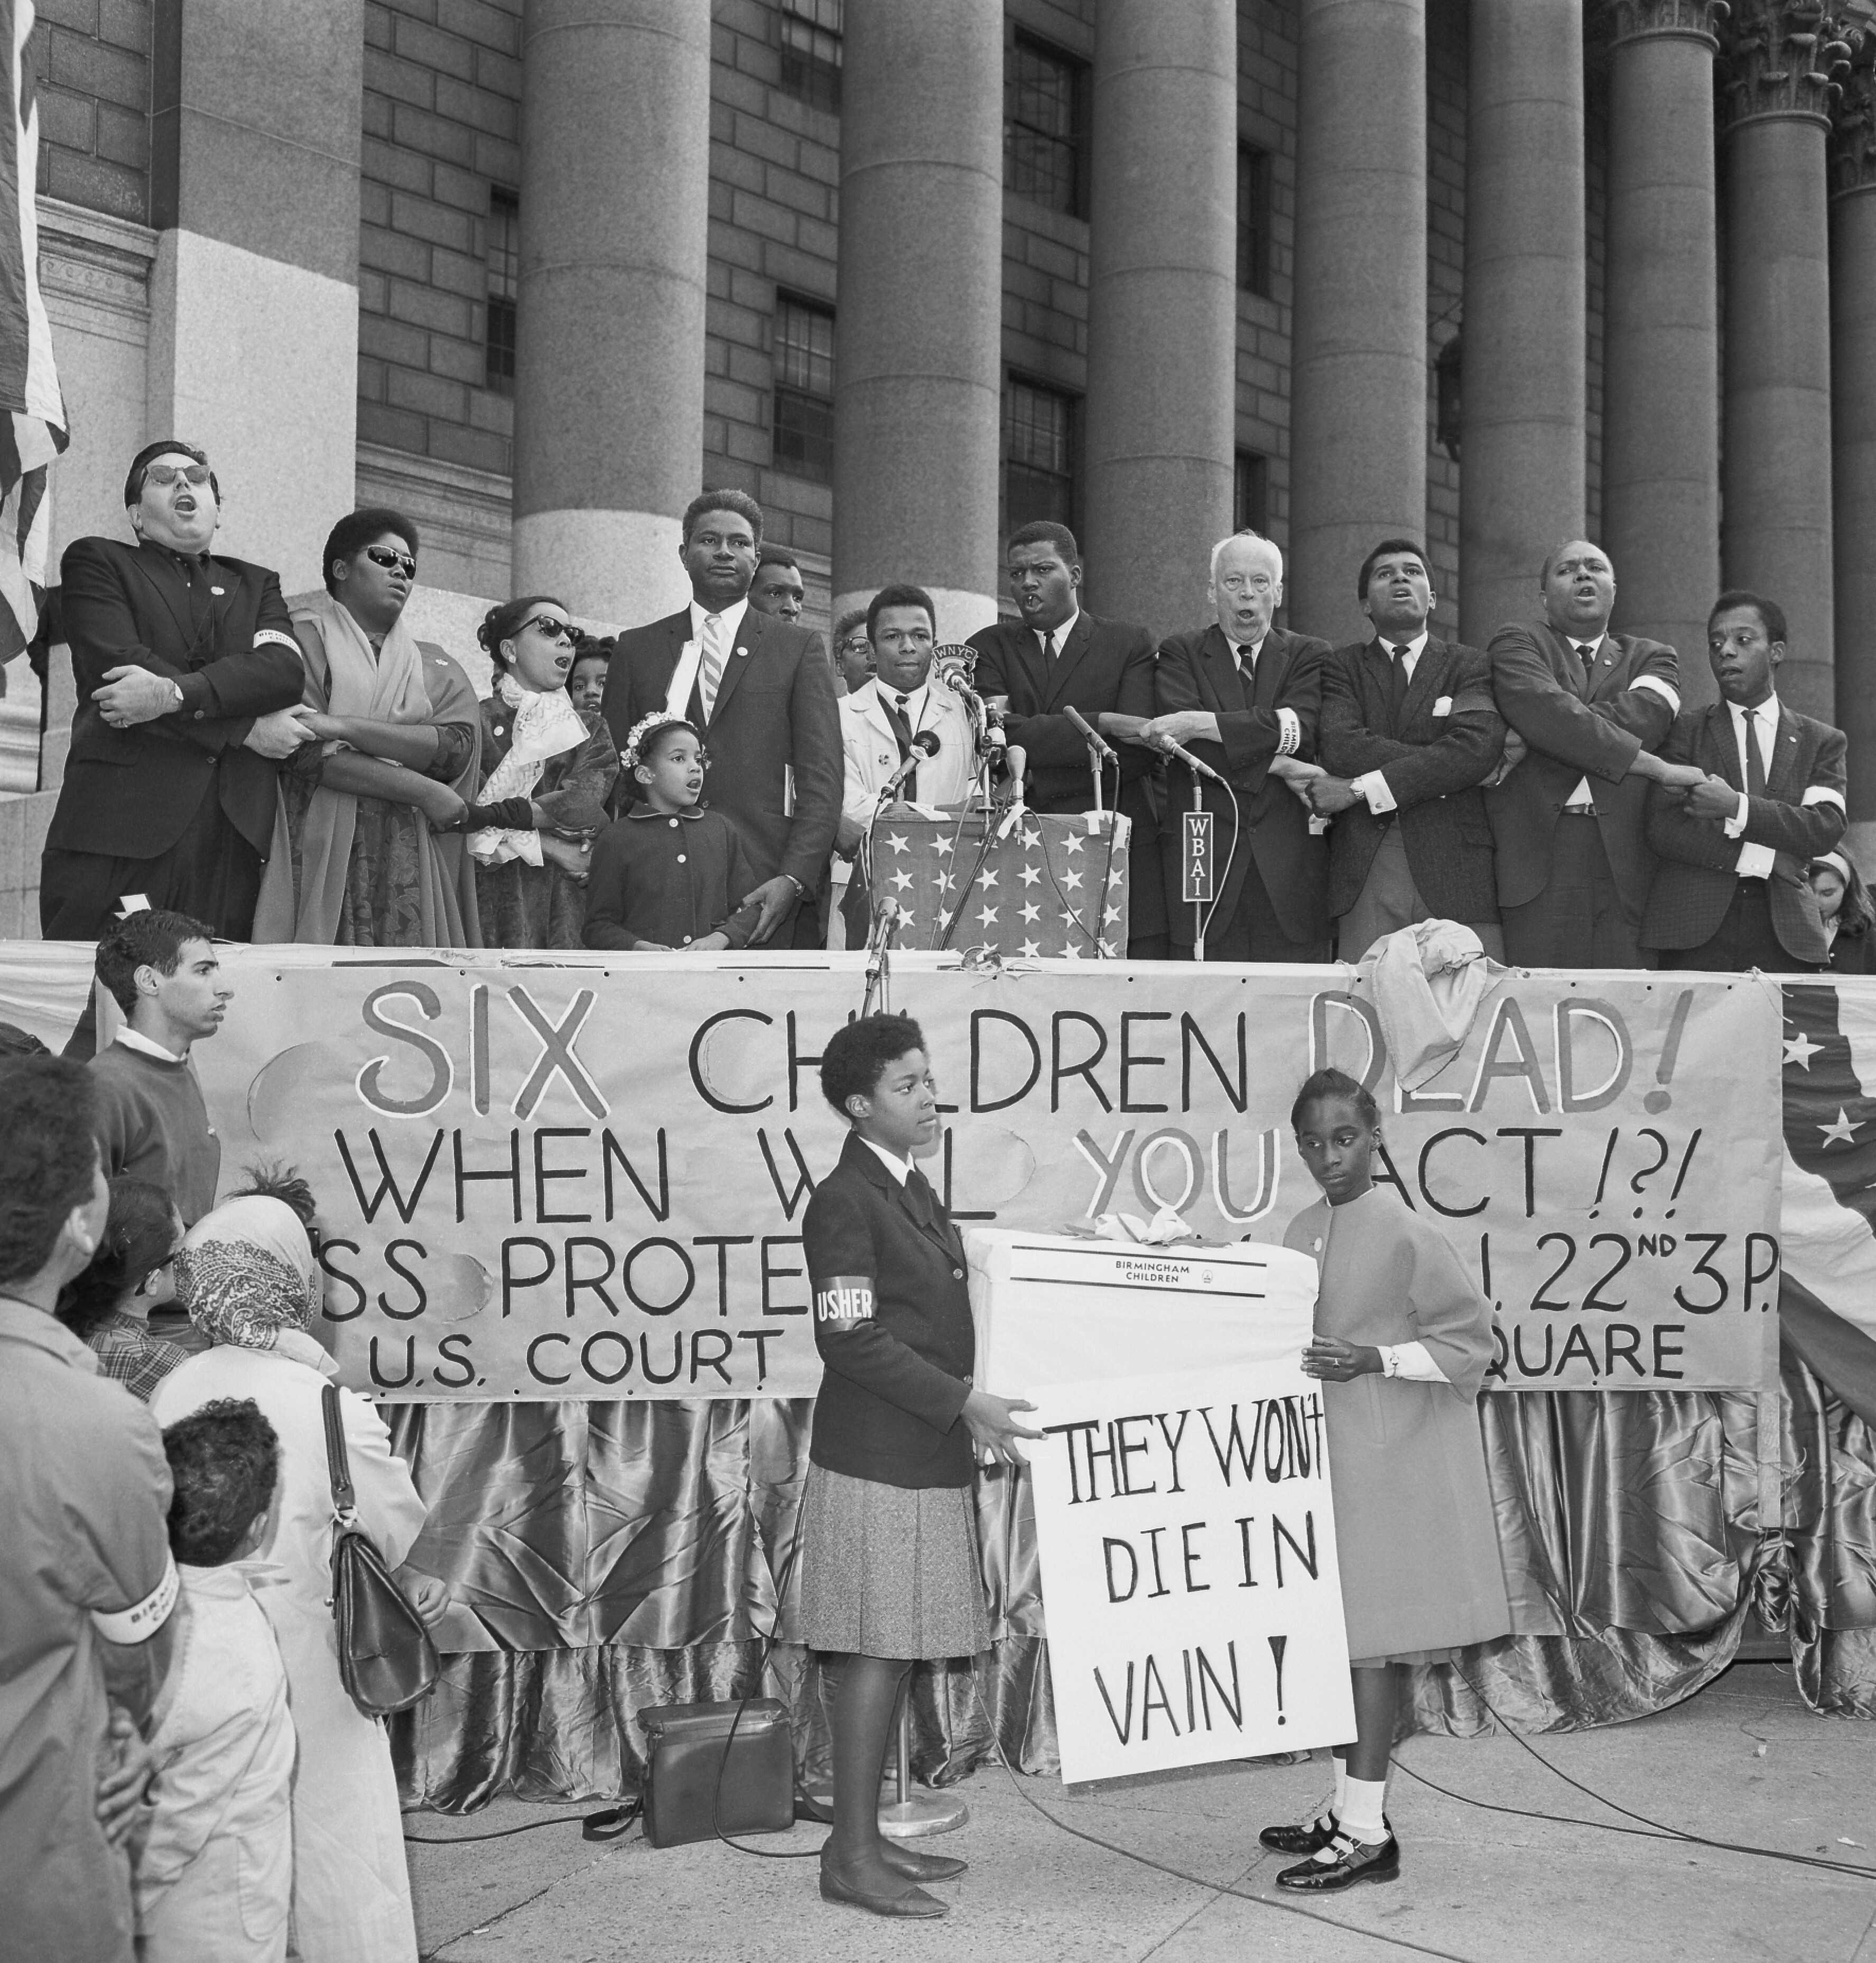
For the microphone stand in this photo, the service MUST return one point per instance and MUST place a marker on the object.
(1198, 906)
(878, 944)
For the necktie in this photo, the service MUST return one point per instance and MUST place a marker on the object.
(1755, 756)
(710, 668)
(1048, 648)
(897, 716)
(1398, 685)
(923, 1200)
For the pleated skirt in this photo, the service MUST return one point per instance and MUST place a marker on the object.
(890, 1570)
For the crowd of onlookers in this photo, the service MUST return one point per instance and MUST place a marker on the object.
(317, 773)
(183, 1772)
(181, 1765)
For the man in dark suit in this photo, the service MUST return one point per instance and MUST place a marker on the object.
(189, 681)
(1730, 891)
(1408, 732)
(1569, 819)
(1244, 696)
(1057, 656)
(762, 691)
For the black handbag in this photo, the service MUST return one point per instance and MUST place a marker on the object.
(712, 1768)
(386, 1659)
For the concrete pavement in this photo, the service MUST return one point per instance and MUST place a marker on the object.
(1744, 1762)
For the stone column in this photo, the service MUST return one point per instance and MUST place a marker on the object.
(1853, 430)
(1775, 536)
(1162, 304)
(1524, 407)
(918, 358)
(1661, 383)
(615, 221)
(255, 140)
(1358, 378)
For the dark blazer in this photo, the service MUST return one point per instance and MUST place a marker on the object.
(1694, 883)
(775, 721)
(1433, 763)
(1577, 725)
(1196, 671)
(892, 1323)
(130, 793)
(1106, 665)
(1854, 952)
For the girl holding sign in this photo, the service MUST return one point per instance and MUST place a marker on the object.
(1402, 1338)
(889, 1563)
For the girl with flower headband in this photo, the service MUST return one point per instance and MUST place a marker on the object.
(671, 873)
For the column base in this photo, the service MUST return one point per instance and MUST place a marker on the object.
(617, 566)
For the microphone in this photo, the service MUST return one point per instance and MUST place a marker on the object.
(925, 743)
(1090, 736)
(1196, 765)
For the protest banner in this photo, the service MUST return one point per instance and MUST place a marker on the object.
(1186, 1535)
(584, 1177)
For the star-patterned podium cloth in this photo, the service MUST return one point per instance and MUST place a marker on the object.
(1046, 885)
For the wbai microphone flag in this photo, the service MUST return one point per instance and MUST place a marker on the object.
(34, 431)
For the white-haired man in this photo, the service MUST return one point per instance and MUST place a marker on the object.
(1242, 695)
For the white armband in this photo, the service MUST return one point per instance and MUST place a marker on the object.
(1291, 738)
(142, 1620)
(279, 639)
(1823, 794)
(1666, 691)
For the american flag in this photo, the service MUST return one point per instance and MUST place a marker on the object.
(33, 429)
(1047, 886)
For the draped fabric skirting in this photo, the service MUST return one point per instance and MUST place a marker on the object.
(607, 1557)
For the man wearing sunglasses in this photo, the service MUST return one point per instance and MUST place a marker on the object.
(188, 682)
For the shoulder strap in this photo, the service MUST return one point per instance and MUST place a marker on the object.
(337, 1468)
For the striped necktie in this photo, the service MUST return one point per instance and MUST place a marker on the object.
(710, 669)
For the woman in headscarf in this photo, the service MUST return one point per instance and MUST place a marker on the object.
(247, 1274)
(358, 859)
(530, 881)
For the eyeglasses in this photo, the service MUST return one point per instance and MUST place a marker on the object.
(553, 629)
(164, 475)
(384, 556)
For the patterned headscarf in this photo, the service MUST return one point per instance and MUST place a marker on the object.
(246, 1271)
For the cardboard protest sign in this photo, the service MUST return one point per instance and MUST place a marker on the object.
(1186, 1533)
(584, 1176)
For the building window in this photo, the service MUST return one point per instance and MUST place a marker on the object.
(1038, 455)
(1044, 123)
(808, 34)
(1254, 220)
(804, 389)
(1250, 500)
(504, 287)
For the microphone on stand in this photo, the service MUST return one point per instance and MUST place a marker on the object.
(1090, 736)
(924, 744)
(1185, 756)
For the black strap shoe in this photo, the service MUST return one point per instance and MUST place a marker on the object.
(1352, 1861)
(1310, 1838)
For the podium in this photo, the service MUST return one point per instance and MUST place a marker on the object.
(1035, 887)
(1053, 1307)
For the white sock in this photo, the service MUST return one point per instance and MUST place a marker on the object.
(1341, 1784)
(1362, 1809)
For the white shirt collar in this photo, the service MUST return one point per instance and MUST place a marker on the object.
(132, 1039)
(1410, 651)
(1768, 706)
(1061, 631)
(1587, 645)
(901, 1169)
(915, 699)
(1242, 652)
(731, 617)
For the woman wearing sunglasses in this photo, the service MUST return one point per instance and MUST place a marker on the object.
(356, 861)
(530, 880)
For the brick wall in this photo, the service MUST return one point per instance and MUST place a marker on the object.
(442, 114)
(1267, 119)
(1446, 58)
(92, 59)
(775, 168)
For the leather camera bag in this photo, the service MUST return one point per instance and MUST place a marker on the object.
(386, 1659)
(709, 1768)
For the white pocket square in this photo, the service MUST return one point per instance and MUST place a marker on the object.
(1443, 706)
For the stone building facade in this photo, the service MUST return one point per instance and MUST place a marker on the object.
(1484, 271)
